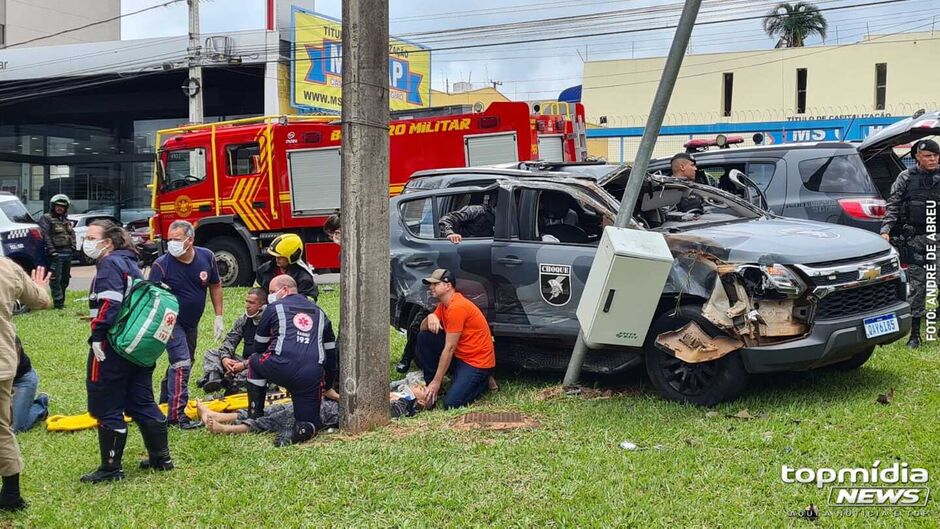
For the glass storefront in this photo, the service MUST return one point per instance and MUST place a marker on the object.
(98, 147)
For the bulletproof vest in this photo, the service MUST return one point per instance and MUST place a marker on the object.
(921, 189)
(60, 232)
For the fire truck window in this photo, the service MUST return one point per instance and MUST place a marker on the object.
(243, 159)
(418, 217)
(184, 167)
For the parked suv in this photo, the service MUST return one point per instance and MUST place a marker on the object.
(816, 181)
(20, 237)
(777, 294)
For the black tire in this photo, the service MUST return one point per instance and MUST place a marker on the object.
(703, 384)
(234, 262)
(856, 361)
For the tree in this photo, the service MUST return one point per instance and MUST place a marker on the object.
(794, 23)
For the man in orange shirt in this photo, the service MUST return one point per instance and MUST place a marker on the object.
(464, 348)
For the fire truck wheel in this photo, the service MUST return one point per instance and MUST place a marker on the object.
(234, 266)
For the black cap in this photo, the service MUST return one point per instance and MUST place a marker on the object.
(681, 156)
(926, 145)
(441, 275)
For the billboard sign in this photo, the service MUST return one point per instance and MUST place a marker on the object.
(316, 74)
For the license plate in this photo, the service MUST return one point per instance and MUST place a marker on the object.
(881, 325)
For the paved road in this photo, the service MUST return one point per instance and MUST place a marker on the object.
(82, 275)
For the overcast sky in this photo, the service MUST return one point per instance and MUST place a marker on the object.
(539, 70)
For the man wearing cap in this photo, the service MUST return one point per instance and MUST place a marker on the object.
(684, 168)
(454, 338)
(905, 224)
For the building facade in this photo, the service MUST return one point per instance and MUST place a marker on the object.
(22, 21)
(787, 94)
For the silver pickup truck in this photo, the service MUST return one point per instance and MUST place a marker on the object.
(748, 291)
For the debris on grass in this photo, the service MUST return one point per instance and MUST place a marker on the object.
(554, 392)
(633, 447)
(498, 421)
(711, 414)
(746, 415)
(886, 398)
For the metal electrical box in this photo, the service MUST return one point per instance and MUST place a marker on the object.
(624, 287)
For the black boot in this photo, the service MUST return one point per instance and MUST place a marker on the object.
(10, 499)
(158, 447)
(302, 432)
(111, 445)
(256, 395)
(213, 383)
(914, 341)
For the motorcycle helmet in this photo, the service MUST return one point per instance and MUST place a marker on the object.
(289, 246)
(61, 199)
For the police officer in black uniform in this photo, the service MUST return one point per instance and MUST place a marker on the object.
(478, 220)
(295, 348)
(60, 243)
(905, 223)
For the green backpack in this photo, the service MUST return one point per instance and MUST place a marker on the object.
(145, 323)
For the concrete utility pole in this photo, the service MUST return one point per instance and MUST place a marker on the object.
(364, 279)
(193, 85)
(640, 164)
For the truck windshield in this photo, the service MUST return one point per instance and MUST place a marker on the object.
(183, 167)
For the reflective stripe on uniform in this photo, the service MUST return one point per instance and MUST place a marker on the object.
(112, 295)
(320, 338)
(92, 313)
(281, 328)
(262, 339)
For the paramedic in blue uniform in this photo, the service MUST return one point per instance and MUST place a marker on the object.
(115, 385)
(189, 271)
(295, 348)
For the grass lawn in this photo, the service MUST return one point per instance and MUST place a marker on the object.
(710, 470)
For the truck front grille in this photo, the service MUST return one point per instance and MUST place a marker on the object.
(859, 300)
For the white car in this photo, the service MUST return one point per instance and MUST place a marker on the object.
(80, 222)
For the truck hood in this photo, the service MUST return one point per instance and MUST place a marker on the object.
(904, 131)
(779, 241)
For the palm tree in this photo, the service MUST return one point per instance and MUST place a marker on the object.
(793, 23)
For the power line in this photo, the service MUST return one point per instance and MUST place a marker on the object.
(99, 22)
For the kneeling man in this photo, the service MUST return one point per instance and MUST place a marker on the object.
(294, 348)
(454, 338)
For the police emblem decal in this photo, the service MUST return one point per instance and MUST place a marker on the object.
(555, 284)
(303, 322)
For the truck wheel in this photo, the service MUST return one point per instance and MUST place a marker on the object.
(234, 264)
(703, 384)
(856, 361)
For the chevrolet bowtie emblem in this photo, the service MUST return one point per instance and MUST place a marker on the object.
(867, 274)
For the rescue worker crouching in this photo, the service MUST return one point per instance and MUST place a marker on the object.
(59, 236)
(287, 258)
(295, 348)
(905, 224)
(223, 367)
(115, 385)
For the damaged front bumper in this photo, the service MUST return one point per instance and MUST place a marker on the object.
(830, 341)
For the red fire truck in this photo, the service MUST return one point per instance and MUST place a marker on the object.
(244, 182)
(561, 129)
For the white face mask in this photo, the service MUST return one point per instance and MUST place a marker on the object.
(176, 248)
(272, 297)
(92, 248)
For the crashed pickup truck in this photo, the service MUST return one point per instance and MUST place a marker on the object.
(747, 292)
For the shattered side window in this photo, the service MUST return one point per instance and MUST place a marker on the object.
(418, 217)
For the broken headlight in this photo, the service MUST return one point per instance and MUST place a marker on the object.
(782, 280)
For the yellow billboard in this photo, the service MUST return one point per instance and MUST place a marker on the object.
(316, 84)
